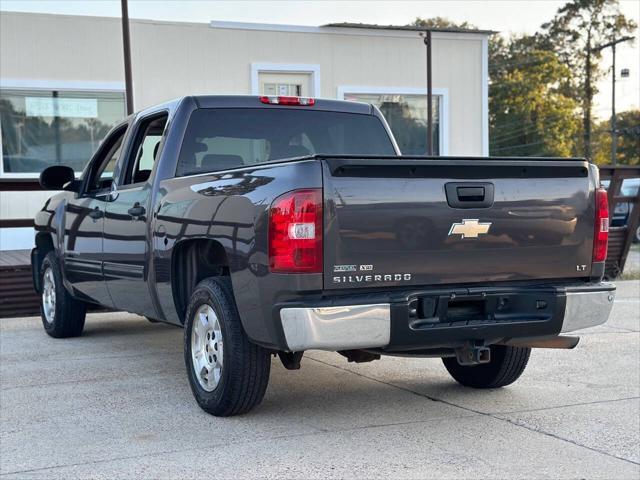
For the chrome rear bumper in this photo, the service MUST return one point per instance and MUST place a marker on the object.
(337, 328)
(369, 326)
(587, 309)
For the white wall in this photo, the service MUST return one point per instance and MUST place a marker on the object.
(174, 59)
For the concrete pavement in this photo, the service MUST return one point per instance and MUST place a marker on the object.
(115, 403)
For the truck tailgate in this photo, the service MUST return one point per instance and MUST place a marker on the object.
(407, 222)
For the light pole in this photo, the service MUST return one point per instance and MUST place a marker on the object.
(614, 133)
(427, 42)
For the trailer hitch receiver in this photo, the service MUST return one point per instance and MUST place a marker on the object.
(473, 355)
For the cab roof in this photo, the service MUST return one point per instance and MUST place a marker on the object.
(253, 101)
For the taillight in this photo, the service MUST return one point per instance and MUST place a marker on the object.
(295, 232)
(601, 236)
(282, 100)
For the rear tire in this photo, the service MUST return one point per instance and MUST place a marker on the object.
(228, 373)
(504, 368)
(62, 315)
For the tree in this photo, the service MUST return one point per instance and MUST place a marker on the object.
(530, 112)
(628, 128)
(578, 28)
(441, 22)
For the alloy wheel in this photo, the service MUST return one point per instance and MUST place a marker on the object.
(49, 295)
(207, 347)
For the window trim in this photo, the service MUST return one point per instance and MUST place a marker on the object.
(49, 85)
(443, 93)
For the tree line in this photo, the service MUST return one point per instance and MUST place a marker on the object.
(542, 86)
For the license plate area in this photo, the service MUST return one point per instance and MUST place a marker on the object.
(434, 311)
(461, 310)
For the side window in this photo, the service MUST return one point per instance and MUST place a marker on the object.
(101, 170)
(145, 150)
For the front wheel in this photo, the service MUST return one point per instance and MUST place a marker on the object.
(504, 368)
(228, 374)
(62, 315)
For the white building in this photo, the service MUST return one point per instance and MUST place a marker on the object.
(61, 83)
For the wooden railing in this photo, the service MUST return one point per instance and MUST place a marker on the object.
(17, 296)
(18, 185)
(620, 238)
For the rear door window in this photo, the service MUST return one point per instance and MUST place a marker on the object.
(221, 139)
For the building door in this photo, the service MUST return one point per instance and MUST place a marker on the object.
(285, 84)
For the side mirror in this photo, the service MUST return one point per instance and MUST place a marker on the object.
(58, 177)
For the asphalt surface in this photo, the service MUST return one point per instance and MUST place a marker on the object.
(115, 403)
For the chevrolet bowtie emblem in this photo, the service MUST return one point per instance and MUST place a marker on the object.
(470, 228)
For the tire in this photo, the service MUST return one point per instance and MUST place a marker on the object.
(232, 383)
(504, 368)
(636, 237)
(62, 315)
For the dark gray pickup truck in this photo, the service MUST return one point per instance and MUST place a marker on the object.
(274, 225)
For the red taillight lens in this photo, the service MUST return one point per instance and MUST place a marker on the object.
(601, 237)
(295, 232)
(282, 100)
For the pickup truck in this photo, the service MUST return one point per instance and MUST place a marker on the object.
(275, 225)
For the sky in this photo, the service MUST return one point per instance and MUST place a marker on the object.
(506, 16)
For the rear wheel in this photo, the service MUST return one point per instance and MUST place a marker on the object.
(228, 374)
(505, 367)
(62, 315)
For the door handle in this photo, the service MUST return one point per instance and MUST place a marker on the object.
(96, 213)
(469, 194)
(137, 210)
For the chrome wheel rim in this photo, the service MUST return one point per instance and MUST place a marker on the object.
(49, 295)
(207, 347)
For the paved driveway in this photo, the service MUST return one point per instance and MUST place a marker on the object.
(116, 403)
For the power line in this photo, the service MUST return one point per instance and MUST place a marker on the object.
(515, 147)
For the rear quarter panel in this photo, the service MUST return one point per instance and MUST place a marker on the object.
(232, 208)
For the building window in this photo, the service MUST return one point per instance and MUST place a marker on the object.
(42, 128)
(407, 118)
(285, 83)
(286, 89)
(288, 79)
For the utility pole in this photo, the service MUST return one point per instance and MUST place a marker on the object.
(126, 44)
(586, 117)
(614, 128)
(614, 133)
(427, 42)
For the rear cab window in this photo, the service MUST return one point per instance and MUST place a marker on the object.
(225, 138)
